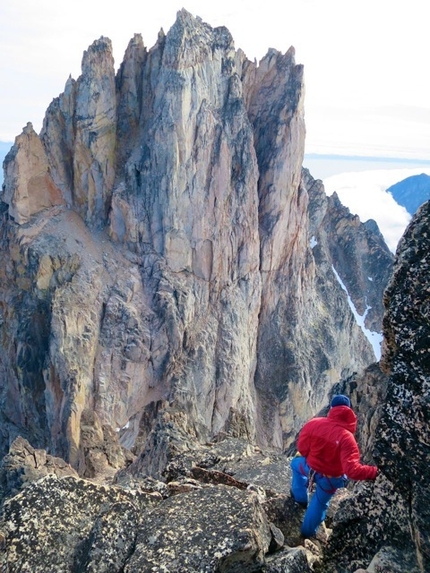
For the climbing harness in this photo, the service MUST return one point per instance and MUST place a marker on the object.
(311, 479)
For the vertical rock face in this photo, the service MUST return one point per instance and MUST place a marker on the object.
(176, 253)
(189, 199)
(29, 187)
(83, 157)
(308, 336)
(279, 135)
(405, 420)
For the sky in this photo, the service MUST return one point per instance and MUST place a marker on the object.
(365, 65)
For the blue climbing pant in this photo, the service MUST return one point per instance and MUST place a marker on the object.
(319, 502)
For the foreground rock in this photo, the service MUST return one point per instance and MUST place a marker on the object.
(224, 506)
(229, 532)
(69, 524)
(24, 464)
(394, 526)
(405, 418)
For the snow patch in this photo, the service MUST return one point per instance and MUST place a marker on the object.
(375, 338)
(313, 242)
(124, 427)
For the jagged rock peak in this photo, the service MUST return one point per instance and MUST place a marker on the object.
(79, 135)
(136, 42)
(190, 42)
(96, 53)
(181, 271)
(28, 129)
(29, 187)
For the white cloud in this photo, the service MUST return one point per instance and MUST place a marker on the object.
(364, 193)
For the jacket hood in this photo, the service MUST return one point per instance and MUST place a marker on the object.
(344, 416)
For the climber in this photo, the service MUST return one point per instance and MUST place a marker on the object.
(328, 456)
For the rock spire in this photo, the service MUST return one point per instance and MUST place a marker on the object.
(163, 247)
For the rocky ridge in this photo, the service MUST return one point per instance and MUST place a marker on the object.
(224, 505)
(158, 250)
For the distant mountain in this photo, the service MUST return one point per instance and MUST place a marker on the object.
(411, 192)
(4, 149)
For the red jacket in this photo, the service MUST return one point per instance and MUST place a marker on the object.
(329, 446)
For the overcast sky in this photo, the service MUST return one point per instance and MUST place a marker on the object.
(366, 63)
(366, 73)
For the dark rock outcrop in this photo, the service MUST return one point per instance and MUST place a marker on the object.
(405, 419)
(395, 524)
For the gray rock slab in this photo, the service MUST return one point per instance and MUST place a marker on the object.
(55, 524)
(223, 529)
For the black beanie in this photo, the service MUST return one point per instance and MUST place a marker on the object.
(340, 400)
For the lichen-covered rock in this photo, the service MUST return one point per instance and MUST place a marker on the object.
(292, 561)
(393, 511)
(210, 522)
(269, 470)
(372, 516)
(405, 420)
(62, 524)
(112, 539)
(393, 560)
(223, 529)
(187, 525)
(25, 464)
